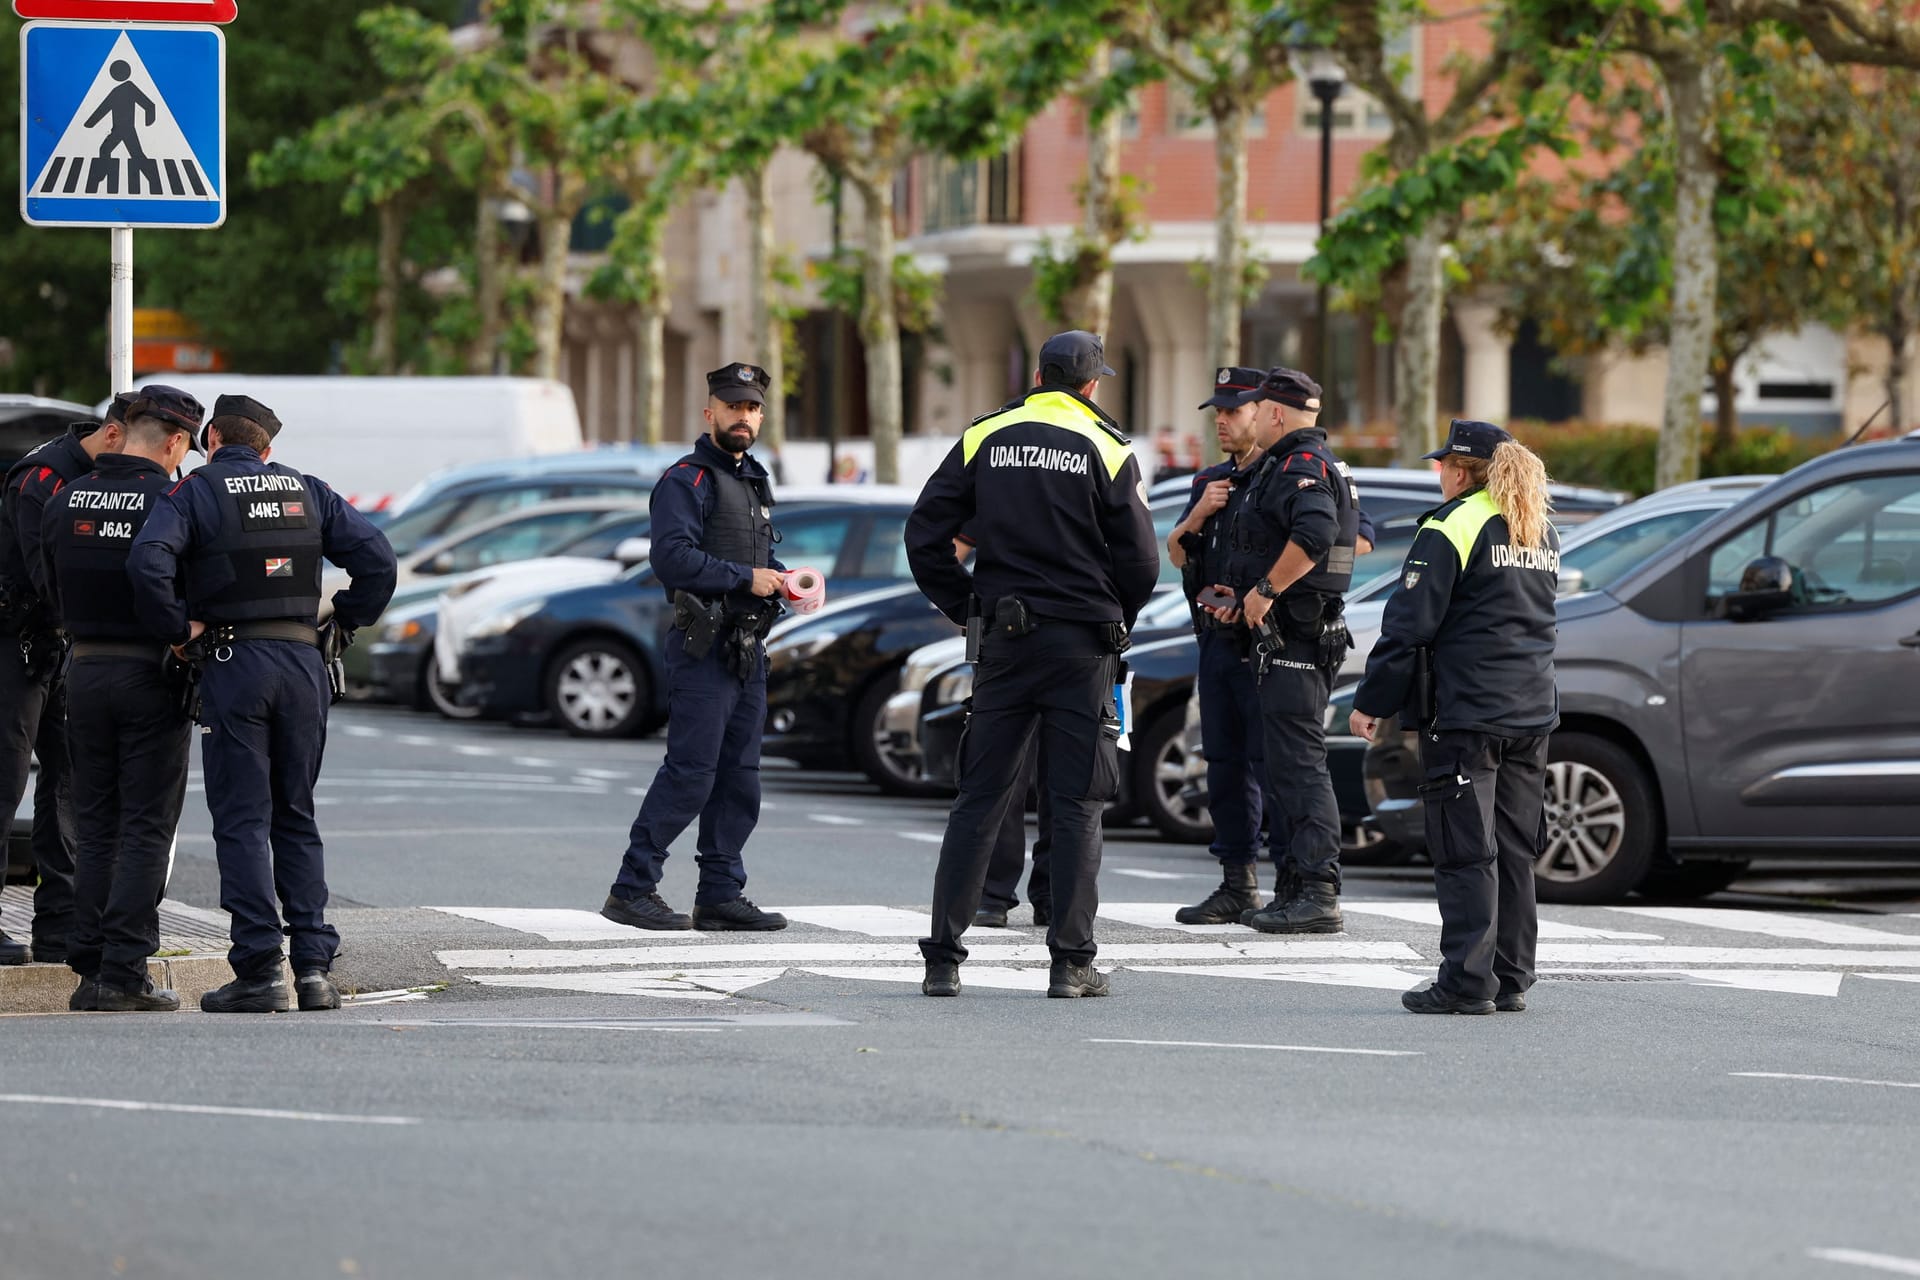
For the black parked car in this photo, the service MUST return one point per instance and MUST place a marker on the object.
(1751, 690)
(592, 657)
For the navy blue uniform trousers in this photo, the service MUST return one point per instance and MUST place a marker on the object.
(1232, 740)
(33, 722)
(265, 717)
(712, 772)
(1002, 891)
(1293, 709)
(131, 743)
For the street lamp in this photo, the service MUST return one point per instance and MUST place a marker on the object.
(1316, 65)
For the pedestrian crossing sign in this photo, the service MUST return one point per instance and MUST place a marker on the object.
(123, 126)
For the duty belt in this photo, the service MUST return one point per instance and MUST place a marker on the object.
(298, 632)
(149, 652)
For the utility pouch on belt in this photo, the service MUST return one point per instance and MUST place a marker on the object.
(700, 619)
(1011, 617)
(976, 628)
(183, 679)
(45, 655)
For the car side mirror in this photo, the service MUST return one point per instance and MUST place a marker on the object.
(1572, 582)
(632, 551)
(1767, 585)
(442, 563)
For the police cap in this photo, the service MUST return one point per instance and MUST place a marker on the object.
(250, 409)
(1073, 359)
(1289, 387)
(117, 411)
(1469, 438)
(1233, 386)
(169, 404)
(739, 384)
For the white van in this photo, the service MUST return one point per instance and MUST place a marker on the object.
(372, 439)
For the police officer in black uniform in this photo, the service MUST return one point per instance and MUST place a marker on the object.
(126, 723)
(1051, 489)
(1292, 559)
(32, 656)
(713, 545)
(1477, 596)
(227, 569)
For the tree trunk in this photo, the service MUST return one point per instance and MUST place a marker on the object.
(763, 328)
(487, 285)
(384, 352)
(880, 327)
(1695, 269)
(1897, 374)
(651, 375)
(550, 299)
(1089, 305)
(1416, 392)
(1726, 413)
(1229, 244)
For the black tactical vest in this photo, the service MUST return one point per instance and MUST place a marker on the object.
(740, 527)
(1256, 544)
(61, 455)
(100, 515)
(265, 561)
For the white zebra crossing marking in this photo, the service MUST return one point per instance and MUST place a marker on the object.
(1777, 926)
(802, 954)
(1429, 913)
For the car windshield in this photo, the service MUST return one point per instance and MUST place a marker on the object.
(599, 542)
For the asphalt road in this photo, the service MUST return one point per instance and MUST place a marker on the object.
(1730, 1092)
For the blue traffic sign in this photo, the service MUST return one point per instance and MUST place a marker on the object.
(123, 125)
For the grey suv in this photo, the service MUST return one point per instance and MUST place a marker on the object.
(1705, 725)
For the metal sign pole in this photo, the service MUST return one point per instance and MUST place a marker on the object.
(121, 332)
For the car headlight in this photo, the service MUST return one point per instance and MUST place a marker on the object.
(807, 646)
(402, 631)
(955, 686)
(498, 624)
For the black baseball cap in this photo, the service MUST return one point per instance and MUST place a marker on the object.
(1469, 438)
(250, 409)
(1079, 356)
(1291, 388)
(117, 411)
(169, 404)
(1233, 386)
(739, 384)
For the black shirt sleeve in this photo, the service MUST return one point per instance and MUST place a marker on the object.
(1410, 621)
(944, 508)
(351, 541)
(1127, 526)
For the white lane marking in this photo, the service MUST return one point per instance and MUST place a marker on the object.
(536, 762)
(1377, 976)
(383, 997)
(1576, 953)
(1789, 1075)
(1159, 915)
(1860, 1258)
(536, 785)
(1140, 874)
(193, 1109)
(710, 984)
(470, 749)
(417, 740)
(1802, 982)
(835, 820)
(362, 731)
(434, 775)
(641, 791)
(1777, 926)
(1891, 977)
(811, 953)
(1274, 1048)
(881, 922)
(1429, 913)
(924, 837)
(613, 775)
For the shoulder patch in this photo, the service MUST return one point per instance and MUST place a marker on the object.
(1305, 484)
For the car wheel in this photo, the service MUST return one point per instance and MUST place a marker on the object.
(598, 689)
(1686, 881)
(872, 748)
(440, 697)
(1601, 819)
(1160, 775)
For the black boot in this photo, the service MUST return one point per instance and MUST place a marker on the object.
(943, 979)
(1315, 909)
(146, 998)
(249, 995)
(49, 950)
(737, 916)
(85, 997)
(1239, 892)
(1071, 981)
(1433, 999)
(1042, 914)
(1286, 887)
(316, 990)
(650, 912)
(13, 951)
(990, 918)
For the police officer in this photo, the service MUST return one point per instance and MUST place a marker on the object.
(1229, 699)
(32, 653)
(713, 544)
(1049, 485)
(1001, 892)
(1292, 559)
(125, 721)
(1477, 594)
(229, 561)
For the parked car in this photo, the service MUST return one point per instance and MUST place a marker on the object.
(1750, 690)
(466, 506)
(591, 656)
(26, 421)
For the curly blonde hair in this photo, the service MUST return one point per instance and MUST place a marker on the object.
(1516, 480)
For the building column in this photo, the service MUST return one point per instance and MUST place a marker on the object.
(1173, 317)
(1488, 373)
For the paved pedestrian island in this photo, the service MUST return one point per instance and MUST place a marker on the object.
(1388, 945)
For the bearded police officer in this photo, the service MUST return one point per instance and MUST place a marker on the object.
(32, 654)
(1293, 546)
(126, 724)
(229, 560)
(713, 551)
(1051, 490)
